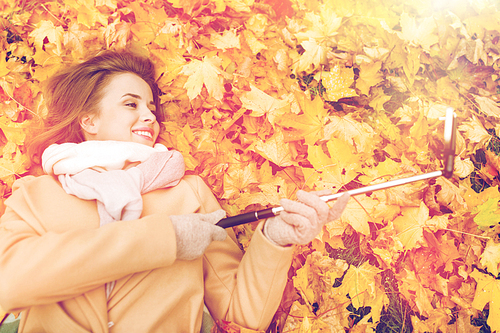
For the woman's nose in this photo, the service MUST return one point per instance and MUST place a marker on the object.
(147, 115)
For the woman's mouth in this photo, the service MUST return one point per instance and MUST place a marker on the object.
(146, 134)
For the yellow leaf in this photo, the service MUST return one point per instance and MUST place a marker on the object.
(488, 106)
(310, 122)
(46, 29)
(369, 76)
(384, 170)
(423, 34)
(145, 32)
(487, 291)
(261, 104)
(420, 127)
(337, 83)
(422, 296)
(337, 169)
(314, 55)
(229, 39)
(359, 283)
(360, 135)
(409, 226)
(12, 161)
(253, 42)
(321, 27)
(207, 72)
(491, 257)
(237, 180)
(88, 13)
(357, 213)
(475, 131)
(275, 150)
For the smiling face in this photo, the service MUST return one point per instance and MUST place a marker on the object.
(126, 112)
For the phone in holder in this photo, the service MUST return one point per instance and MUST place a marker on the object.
(450, 135)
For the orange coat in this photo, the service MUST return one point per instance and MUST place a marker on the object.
(55, 261)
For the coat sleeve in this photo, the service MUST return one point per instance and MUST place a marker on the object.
(42, 267)
(244, 289)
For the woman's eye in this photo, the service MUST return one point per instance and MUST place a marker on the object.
(131, 104)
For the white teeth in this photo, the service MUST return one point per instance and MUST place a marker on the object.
(144, 133)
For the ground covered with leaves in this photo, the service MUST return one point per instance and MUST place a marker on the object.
(265, 97)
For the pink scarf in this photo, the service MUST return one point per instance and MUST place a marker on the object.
(100, 170)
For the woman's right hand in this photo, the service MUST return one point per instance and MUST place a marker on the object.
(195, 232)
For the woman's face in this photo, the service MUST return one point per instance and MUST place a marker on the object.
(126, 112)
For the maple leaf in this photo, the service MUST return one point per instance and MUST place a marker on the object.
(229, 39)
(275, 150)
(261, 104)
(87, 12)
(487, 213)
(423, 34)
(409, 226)
(313, 56)
(335, 170)
(352, 132)
(47, 29)
(488, 106)
(358, 213)
(491, 257)
(369, 76)
(475, 131)
(311, 122)
(487, 291)
(207, 72)
(321, 27)
(413, 289)
(337, 83)
(237, 180)
(359, 283)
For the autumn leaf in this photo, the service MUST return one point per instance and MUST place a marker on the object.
(47, 30)
(311, 122)
(352, 132)
(312, 58)
(261, 104)
(275, 150)
(487, 213)
(491, 257)
(369, 76)
(337, 83)
(359, 283)
(409, 226)
(422, 33)
(206, 73)
(487, 292)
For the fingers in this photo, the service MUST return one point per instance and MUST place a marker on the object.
(219, 234)
(313, 200)
(293, 210)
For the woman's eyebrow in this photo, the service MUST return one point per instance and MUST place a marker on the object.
(138, 97)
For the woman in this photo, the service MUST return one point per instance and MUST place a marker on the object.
(115, 238)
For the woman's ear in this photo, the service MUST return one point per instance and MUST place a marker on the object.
(89, 124)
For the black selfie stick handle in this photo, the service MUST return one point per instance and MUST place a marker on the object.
(246, 218)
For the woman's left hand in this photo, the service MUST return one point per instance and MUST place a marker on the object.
(302, 220)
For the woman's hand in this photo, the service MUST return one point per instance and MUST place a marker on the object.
(195, 232)
(302, 220)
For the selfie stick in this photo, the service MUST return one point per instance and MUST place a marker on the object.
(450, 128)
